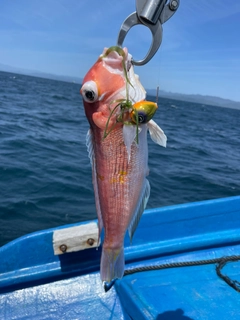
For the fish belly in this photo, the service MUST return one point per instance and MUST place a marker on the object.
(119, 183)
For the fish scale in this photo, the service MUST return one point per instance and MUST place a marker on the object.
(119, 196)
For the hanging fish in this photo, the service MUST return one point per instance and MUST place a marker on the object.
(117, 145)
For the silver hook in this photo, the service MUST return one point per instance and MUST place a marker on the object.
(156, 30)
(152, 14)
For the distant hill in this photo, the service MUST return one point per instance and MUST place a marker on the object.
(197, 98)
(38, 74)
(56, 77)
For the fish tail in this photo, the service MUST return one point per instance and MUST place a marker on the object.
(112, 264)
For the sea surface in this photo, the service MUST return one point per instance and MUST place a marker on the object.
(45, 174)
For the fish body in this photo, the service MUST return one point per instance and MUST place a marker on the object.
(119, 162)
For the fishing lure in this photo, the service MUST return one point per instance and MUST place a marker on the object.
(143, 111)
(132, 114)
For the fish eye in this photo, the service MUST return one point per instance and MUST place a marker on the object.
(141, 118)
(89, 91)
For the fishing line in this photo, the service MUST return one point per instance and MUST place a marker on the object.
(159, 67)
(221, 262)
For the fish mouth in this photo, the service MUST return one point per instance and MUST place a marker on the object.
(117, 61)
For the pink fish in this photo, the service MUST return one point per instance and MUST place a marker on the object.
(118, 152)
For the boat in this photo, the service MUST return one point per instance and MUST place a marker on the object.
(182, 264)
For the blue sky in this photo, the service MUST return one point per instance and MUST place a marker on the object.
(200, 52)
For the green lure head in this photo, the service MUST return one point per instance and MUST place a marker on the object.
(143, 111)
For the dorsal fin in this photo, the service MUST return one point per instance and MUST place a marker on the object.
(89, 144)
(145, 193)
(91, 155)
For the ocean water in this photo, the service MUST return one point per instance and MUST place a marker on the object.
(45, 174)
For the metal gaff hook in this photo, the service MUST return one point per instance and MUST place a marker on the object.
(156, 30)
(152, 14)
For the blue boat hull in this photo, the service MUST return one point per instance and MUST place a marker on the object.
(36, 284)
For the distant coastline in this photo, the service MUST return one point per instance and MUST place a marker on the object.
(196, 98)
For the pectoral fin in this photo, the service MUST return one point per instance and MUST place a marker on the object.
(129, 134)
(157, 134)
(91, 155)
(145, 193)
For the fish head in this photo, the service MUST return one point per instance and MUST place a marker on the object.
(110, 80)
